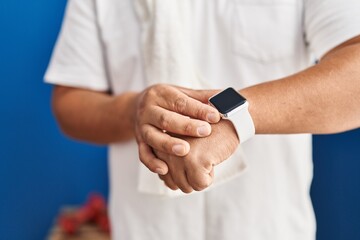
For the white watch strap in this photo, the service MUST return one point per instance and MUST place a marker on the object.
(243, 123)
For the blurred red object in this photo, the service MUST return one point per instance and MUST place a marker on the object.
(68, 224)
(94, 211)
(103, 222)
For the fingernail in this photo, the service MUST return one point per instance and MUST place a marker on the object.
(203, 131)
(212, 117)
(178, 149)
(159, 171)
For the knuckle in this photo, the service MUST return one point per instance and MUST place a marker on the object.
(186, 189)
(157, 90)
(164, 121)
(208, 165)
(153, 90)
(141, 111)
(205, 162)
(164, 146)
(188, 128)
(147, 135)
(141, 105)
(150, 94)
(180, 104)
(160, 87)
(205, 183)
(198, 189)
(200, 113)
(145, 97)
(171, 185)
(202, 184)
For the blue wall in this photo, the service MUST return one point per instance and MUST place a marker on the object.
(40, 170)
(336, 186)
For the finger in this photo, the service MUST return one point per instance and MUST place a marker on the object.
(199, 180)
(163, 142)
(148, 158)
(200, 176)
(212, 174)
(169, 182)
(181, 103)
(181, 181)
(176, 123)
(200, 95)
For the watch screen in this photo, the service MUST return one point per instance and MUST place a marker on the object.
(227, 100)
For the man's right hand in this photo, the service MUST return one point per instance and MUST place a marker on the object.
(164, 108)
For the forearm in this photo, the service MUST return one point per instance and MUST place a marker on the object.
(322, 99)
(94, 116)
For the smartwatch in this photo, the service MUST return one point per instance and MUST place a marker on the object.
(235, 108)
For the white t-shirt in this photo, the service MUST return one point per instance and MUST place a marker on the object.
(236, 43)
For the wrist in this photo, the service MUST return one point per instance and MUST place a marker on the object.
(227, 129)
(126, 109)
(234, 107)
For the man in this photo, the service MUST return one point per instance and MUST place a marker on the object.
(263, 48)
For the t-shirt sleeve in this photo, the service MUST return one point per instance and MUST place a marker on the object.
(78, 57)
(328, 23)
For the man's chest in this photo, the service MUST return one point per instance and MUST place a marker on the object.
(257, 29)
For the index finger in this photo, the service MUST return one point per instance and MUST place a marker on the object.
(179, 102)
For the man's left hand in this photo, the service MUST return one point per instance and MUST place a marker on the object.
(195, 171)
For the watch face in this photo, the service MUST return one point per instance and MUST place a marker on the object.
(227, 100)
